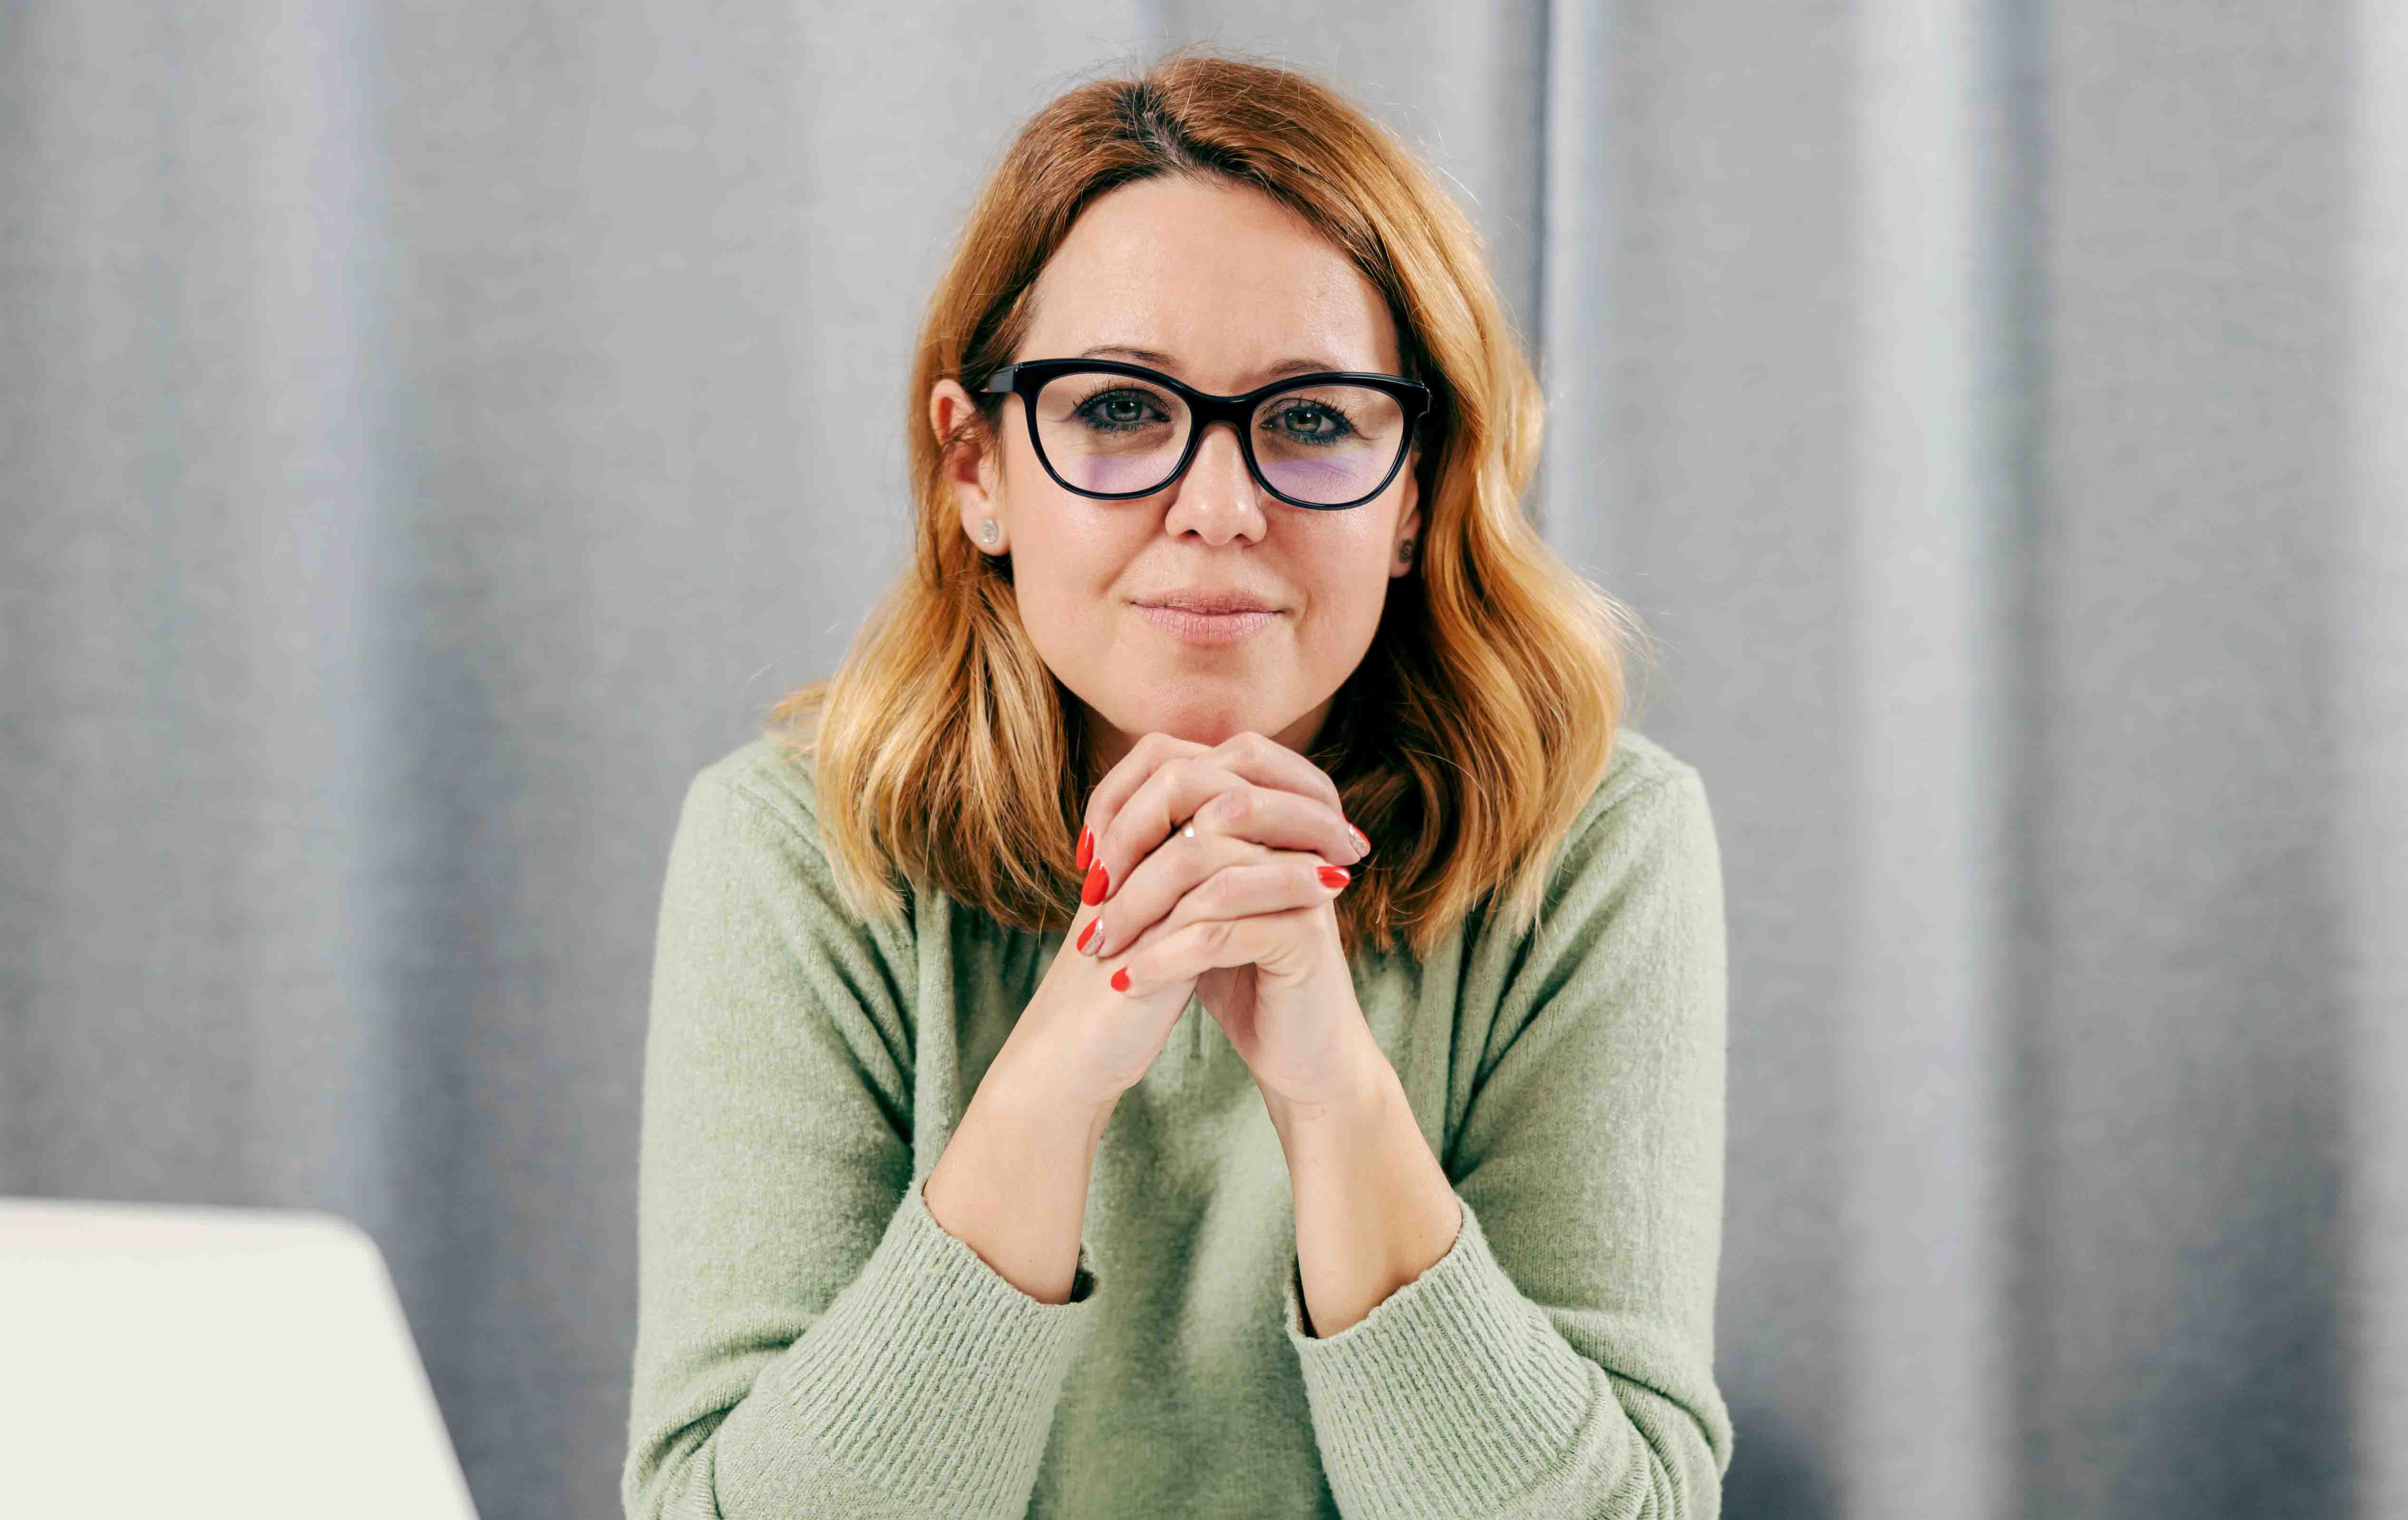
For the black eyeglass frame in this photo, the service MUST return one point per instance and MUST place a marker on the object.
(1027, 377)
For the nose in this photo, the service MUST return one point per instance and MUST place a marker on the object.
(1216, 495)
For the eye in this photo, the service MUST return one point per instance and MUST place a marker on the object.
(1118, 409)
(1311, 422)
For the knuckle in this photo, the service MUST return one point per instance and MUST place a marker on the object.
(1241, 807)
(1229, 811)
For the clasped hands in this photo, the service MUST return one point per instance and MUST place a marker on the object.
(1242, 914)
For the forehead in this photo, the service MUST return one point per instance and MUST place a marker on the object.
(1226, 280)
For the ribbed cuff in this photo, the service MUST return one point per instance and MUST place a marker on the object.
(930, 1377)
(1455, 1391)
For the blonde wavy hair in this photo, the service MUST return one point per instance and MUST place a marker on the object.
(1481, 719)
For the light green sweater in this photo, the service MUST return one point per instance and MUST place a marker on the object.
(810, 1342)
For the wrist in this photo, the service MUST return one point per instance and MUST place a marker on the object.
(1028, 1090)
(1362, 1090)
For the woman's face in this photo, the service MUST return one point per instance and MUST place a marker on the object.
(1217, 286)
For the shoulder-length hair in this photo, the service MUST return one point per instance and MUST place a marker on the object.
(1477, 724)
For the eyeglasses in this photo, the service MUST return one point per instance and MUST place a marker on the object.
(1326, 440)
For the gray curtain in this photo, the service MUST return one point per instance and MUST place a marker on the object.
(429, 433)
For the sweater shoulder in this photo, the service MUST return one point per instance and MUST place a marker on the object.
(1625, 819)
(1638, 766)
(767, 772)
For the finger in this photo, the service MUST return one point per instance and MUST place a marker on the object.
(1254, 756)
(1267, 762)
(1272, 942)
(1228, 795)
(1160, 881)
(1127, 775)
(1086, 923)
(1266, 886)
(1241, 826)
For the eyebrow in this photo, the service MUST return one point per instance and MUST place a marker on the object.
(1306, 365)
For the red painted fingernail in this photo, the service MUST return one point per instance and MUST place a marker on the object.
(1093, 892)
(1089, 930)
(1120, 980)
(1334, 876)
(1086, 843)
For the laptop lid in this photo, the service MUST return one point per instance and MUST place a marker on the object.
(201, 1360)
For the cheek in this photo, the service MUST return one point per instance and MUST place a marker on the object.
(1066, 568)
(1339, 631)
(1342, 616)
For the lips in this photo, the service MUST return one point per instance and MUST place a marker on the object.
(1192, 627)
(1209, 602)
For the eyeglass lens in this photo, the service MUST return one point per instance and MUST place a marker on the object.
(1320, 443)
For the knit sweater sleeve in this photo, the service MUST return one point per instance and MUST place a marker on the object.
(810, 1342)
(1558, 1360)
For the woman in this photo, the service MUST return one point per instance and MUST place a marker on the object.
(1113, 1055)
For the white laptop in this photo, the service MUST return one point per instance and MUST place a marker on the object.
(197, 1361)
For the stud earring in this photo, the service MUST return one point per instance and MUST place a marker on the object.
(986, 531)
(1405, 551)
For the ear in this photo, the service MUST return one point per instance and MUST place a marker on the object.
(1408, 519)
(970, 467)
